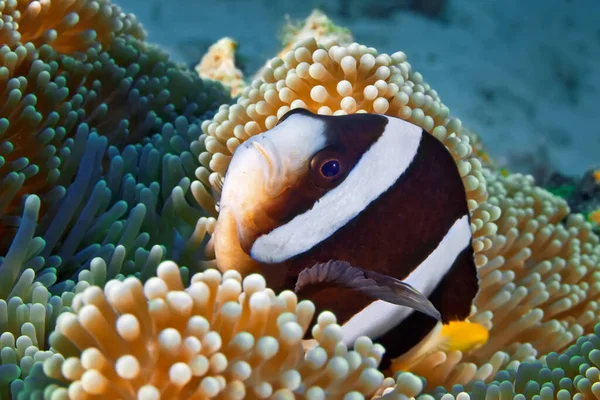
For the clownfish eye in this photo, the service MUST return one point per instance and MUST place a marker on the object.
(331, 168)
(328, 168)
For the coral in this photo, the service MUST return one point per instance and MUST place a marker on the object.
(218, 337)
(218, 64)
(316, 26)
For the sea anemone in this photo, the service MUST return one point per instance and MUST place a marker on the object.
(48, 89)
(68, 26)
(108, 154)
(219, 337)
(537, 274)
(55, 102)
(98, 139)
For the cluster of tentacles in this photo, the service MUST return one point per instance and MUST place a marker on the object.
(538, 264)
(108, 155)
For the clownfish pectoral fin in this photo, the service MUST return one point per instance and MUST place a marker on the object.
(374, 285)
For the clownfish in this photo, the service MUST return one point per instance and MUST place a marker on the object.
(365, 215)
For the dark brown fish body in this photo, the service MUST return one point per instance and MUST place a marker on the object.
(395, 204)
